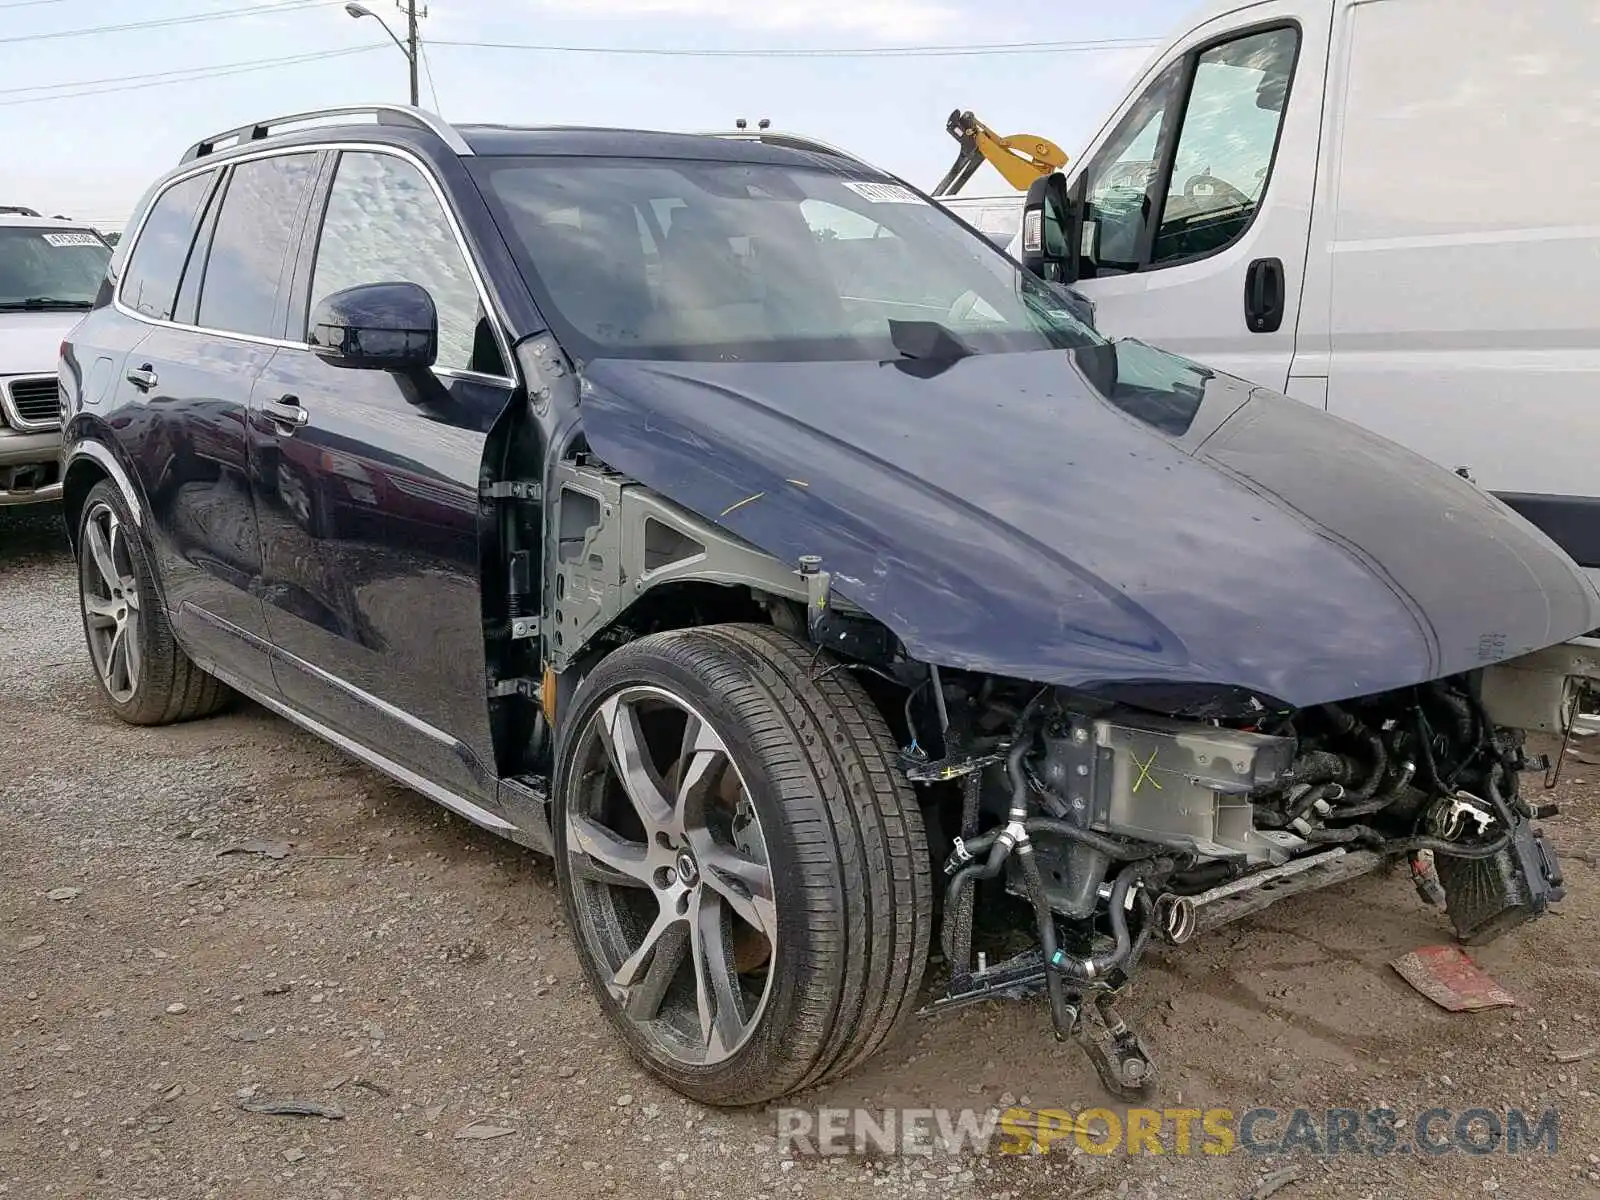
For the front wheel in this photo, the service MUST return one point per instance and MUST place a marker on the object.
(744, 868)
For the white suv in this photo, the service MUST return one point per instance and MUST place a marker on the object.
(50, 271)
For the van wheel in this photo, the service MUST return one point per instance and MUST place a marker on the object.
(743, 866)
(144, 675)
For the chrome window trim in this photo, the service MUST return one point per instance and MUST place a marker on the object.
(204, 164)
(8, 405)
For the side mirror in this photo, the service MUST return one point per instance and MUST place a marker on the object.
(1047, 230)
(385, 326)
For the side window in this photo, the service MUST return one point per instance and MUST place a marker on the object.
(250, 246)
(150, 280)
(384, 224)
(1225, 148)
(1119, 181)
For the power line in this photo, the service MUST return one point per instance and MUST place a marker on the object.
(162, 22)
(28, 3)
(167, 79)
(175, 71)
(949, 51)
(427, 70)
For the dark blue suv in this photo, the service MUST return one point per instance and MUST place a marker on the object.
(723, 517)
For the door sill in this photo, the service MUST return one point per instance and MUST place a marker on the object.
(459, 805)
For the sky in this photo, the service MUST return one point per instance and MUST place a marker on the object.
(85, 129)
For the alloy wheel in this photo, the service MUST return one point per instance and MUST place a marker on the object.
(109, 588)
(670, 872)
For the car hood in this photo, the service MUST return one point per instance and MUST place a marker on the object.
(1113, 519)
(30, 342)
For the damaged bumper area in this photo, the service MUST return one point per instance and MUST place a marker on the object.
(1199, 647)
(1100, 828)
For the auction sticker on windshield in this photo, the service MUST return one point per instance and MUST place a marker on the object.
(882, 193)
(72, 239)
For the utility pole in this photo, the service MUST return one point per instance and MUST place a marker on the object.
(411, 45)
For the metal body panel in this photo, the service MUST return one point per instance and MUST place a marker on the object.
(371, 567)
(1101, 518)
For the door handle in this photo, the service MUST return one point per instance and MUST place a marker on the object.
(144, 378)
(287, 411)
(1264, 294)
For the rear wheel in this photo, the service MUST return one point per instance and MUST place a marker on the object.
(744, 868)
(144, 675)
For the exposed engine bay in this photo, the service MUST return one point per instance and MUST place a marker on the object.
(1115, 826)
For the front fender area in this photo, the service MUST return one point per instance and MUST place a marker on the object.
(614, 542)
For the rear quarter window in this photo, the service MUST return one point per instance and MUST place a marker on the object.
(150, 279)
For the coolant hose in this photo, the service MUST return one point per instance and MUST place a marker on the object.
(1348, 724)
(1018, 778)
(1409, 845)
(1062, 1015)
(1114, 847)
(1087, 970)
(967, 877)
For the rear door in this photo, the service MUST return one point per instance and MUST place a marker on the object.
(1197, 196)
(188, 385)
(367, 484)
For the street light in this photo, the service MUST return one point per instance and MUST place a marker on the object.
(410, 51)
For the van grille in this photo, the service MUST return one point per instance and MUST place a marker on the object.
(33, 403)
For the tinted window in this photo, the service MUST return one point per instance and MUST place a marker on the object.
(384, 224)
(1230, 129)
(151, 278)
(250, 248)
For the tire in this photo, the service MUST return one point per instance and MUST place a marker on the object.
(822, 975)
(143, 674)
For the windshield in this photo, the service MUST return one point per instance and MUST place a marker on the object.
(50, 268)
(715, 261)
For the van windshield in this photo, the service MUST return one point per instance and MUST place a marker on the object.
(44, 268)
(712, 261)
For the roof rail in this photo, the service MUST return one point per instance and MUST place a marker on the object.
(792, 141)
(382, 114)
(18, 210)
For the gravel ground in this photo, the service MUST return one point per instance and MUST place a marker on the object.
(414, 972)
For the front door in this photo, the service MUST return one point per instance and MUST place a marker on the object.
(367, 488)
(1196, 198)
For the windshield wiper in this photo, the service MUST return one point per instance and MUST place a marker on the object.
(43, 304)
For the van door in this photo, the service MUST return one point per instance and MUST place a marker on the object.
(1461, 300)
(1197, 195)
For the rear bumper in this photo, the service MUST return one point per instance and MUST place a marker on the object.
(30, 450)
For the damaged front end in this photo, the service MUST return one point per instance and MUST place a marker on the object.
(1199, 647)
(1115, 826)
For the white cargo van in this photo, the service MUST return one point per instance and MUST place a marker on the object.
(1386, 208)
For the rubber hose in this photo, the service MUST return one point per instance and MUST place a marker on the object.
(1114, 847)
(1410, 845)
(968, 877)
(1061, 1015)
(1307, 802)
(1346, 723)
(1099, 964)
(1147, 924)
(1019, 779)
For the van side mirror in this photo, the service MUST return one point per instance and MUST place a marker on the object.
(384, 326)
(1048, 230)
